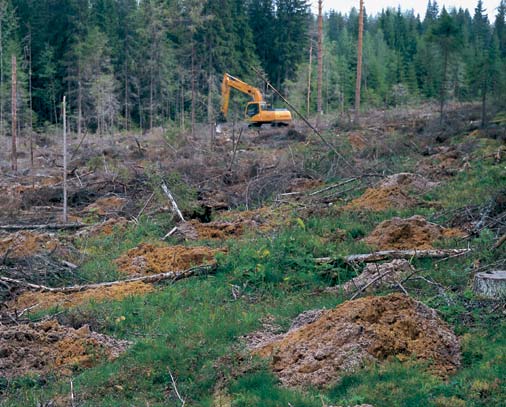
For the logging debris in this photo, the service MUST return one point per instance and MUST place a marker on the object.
(376, 276)
(359, 332)
(48, 347)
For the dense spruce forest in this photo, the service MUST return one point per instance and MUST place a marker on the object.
(127, 64)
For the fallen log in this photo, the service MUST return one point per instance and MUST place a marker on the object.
(396, 254)
(49, 226)
(171, 275)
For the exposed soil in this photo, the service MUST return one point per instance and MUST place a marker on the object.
(105, 228)
(106, 205)
(48, 347)
(362, 331)
(194, 230)
(45, 300)
(392, 272)
(149, 259)
(382, 198)
(25, 244)
(411, 233)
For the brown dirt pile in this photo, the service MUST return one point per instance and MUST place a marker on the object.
(25, 244)
(303, 184)
(49, 347)
(107, 205)
(382, 198)
(383, 275)
(410, 233)
(357, 332)
(149, 259)
(45, 300)
(104, 229)
(195, 230)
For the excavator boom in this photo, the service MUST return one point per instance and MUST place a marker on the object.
(230, 81)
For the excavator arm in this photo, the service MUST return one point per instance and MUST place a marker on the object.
(229, 82)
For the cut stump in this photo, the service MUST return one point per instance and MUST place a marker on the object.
(491, 284)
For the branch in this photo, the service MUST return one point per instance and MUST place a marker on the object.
(172, 201)
(50, 226)
(171, 275)
(182, 400)
(396, 254)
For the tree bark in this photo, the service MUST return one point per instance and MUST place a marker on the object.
(171, 275)
(359, 61)
(320, 64)
(397, 254)
(14, 154)
(491, 284)
(309, 75)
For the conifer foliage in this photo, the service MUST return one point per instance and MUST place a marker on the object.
(139, 64)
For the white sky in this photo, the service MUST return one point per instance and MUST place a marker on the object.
(419, 6)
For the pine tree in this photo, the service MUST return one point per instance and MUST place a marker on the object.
(445, 34)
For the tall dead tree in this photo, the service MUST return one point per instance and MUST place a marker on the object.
(64, 112)
(14, 156)
(320, 63)
(309, 74)
(359, 61)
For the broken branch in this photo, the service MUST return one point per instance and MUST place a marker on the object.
(396, 254)
(50, 226)
(172, 201)
(171, 275)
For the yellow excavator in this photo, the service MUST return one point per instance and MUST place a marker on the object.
(257, 112)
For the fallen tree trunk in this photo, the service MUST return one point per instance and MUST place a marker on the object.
(49, 226)
(397, 254)
(171, 275)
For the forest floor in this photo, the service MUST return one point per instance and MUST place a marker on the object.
(254, 298)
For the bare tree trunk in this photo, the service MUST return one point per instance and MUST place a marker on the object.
(193, 90)
(484, 105)
(359, 61)
(14, 157)
(151, 101)
(1, 72)
(64, 159)
(126, 97)
(30, 92)
(309, 77)
(442, 95)
(79, 107)
(320, 64)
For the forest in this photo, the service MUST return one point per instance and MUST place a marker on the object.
(141, 64)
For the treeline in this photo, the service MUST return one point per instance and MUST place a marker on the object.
(127, 64)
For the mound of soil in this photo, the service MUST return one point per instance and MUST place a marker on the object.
(382, 198)
(357, 141)
(106, 205)
(26, 244)
(411, 233)
(149, 259)
(361, 331)
(302, 184)
(48, 347)
(383, 275)
(195, 230)
(408, 181)
(105, 228)
(45, 300)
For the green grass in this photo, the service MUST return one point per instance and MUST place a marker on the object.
(194, 326)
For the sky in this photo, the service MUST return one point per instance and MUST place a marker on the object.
(375, 6)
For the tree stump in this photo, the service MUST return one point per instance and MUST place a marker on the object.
(491, 284)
